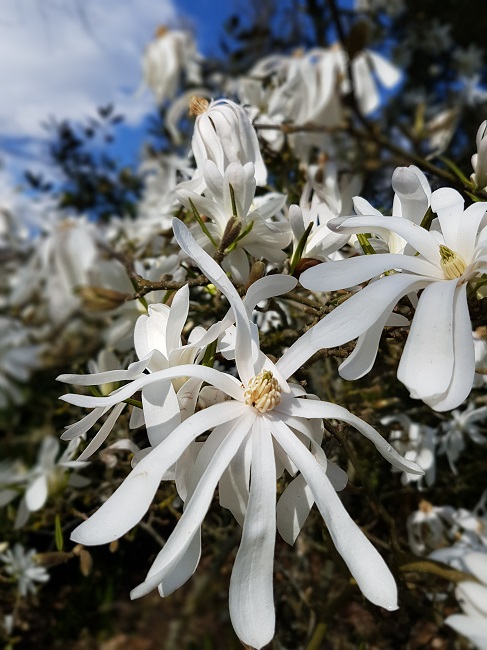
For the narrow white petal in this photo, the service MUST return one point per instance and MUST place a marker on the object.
(131, 500)
(464, 357)
(184, 568)
(468, 230)
(363, 356)
(216, 274)
(314, 409)
(224, 382)
(251, 590)
(161, 410)
(420, 239)
(365, 564)
(197, 506)
(79, 428)
(36, 494)
(475, 629)
(350, 319)
(347, 273)
(426, 364)
(448, 205)
(103, 433)
(178, 314)
(235, 482)
(293, 509)
(268, 287)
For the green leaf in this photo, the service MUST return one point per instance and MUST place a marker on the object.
(58, 533)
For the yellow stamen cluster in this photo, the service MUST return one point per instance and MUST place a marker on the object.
(263, 392)
(452, 264)
(198, 105)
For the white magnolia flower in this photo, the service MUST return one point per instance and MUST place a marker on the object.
(48, 476)
(414, 441)
(170, 55)
(479, 159)
(262, 425)
(21, 566)
(223, 134)
(326, 194)
(19, 357)
(467, 423)
(257, 234)
(429, 527)
(438, 362)
(472, 596)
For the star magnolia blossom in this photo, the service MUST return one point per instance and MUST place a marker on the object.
(259, 236)
(223, 133)
(438, 361)
(263, 425)
(472, 596)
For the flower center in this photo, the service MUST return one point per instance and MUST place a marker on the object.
(452, 264)
(198, 105)
(263, 392)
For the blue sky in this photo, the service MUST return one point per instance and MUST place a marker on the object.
(63, 58)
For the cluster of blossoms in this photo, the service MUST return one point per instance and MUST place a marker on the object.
(178, 311)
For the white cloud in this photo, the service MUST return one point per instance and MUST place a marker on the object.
(63, 58)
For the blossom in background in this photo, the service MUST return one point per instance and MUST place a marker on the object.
(414, 441)
(233, 194)
(167, 58)
(223, 134)
(264, 424)
(46, 477)
(21, 566)
(472, 597)
(468, 423)
(479, 159)
(438, 363)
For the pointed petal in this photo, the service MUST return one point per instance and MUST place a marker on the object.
(36, 494)
(347, 273)
(161, 410)
(251, 590)
(184, 568)
(463, 357)
(426, 364)
(216, 274)
(365, 564)
(349, 319)
(293, 509)
(197, 505)
(314, 409)
(103, 433)
(128, 504)
(448, 205)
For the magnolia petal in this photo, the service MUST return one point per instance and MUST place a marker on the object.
(413, 192)
(268, 287)
(103, 433)
(82, 426)
(420, 239)
(349, 319)
(448, 205)
(95, 379)
(474, 629)
(161, 410)
(363, 356)
(426, 364)
(197, 505)
(468, 231)
(131, 500)
(178, 314)
(224, 382)
(293, 509)
(347, 273)
(184, 568)
(234, 484)
(476, 564)
(366, 565)
(36, 494)
(216, 274)
(314, 409)
(463, 373)
(251, 591)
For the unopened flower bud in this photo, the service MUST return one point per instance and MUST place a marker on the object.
(100, 298)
